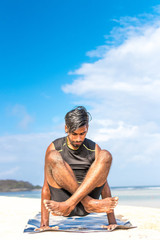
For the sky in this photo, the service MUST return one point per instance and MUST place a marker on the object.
(104, 55)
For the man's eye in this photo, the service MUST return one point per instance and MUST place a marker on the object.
(83, 133)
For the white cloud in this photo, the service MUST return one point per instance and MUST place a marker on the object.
(137, 144)
(107, 129)
(122, 88)
(22, 156)
(21, 113)
(124, 83)
(131, 68)
(25, 147)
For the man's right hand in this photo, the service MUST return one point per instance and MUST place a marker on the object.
(46, 228)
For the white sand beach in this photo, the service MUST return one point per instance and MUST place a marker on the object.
(15, 212)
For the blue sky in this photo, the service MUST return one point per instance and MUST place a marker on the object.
(101, 54)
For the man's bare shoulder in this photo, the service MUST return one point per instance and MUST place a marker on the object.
(97, 148)
(50, 147)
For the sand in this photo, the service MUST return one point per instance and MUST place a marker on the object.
(15, 212)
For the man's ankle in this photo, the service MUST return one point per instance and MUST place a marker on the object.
(86, 201)
(72, 204)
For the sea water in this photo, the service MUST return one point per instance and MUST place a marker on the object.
(22, 194)
(145, 196)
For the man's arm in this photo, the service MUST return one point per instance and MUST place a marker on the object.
(45, 195)
(44, 212)
(106, 192)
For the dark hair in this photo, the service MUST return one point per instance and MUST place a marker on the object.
(77, 118)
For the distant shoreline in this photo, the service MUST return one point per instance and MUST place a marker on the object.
(17, 186)
(12, 186)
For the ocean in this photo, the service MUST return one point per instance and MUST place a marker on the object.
(143, 196)
(146, 196)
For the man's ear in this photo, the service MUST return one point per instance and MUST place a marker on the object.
(66, 129)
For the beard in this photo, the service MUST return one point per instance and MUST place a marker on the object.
(74, 144)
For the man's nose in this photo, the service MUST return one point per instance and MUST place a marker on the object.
(79, 138)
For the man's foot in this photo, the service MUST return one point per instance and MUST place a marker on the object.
(104, 205)
(58, 208)
(93, 206)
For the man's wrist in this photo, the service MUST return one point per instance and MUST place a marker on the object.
(111, 218)
(45, 224)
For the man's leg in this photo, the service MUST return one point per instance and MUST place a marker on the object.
(59, 174)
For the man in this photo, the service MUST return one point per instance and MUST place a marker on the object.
(76, 170)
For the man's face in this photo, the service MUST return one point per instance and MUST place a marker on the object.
(76, 138)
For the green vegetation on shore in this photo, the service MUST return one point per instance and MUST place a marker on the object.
(14, 186)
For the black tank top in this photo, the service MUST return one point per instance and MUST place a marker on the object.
(79, 160)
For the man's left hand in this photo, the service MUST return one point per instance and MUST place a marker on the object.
(110, 227)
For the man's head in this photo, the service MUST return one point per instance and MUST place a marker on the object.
(76, 118)
(76, 126)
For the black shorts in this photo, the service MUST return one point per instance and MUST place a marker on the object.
(61, 195)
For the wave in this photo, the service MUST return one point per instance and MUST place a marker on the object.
(136, 187)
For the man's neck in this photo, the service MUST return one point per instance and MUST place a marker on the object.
(71, 146)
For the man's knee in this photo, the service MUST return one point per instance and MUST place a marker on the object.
(105, 157)
(53, 157)
(45, 191)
